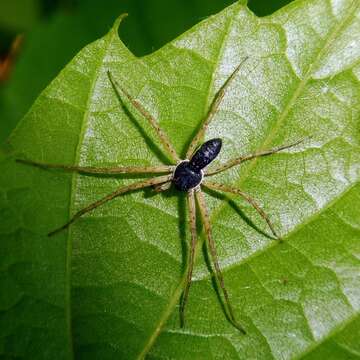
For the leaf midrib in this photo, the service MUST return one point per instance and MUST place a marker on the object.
(74, 183)
(176, 295)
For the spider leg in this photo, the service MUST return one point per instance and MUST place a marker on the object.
(120, 191)
(107, 170)
(248, 198)
(162, 187)
(229, 164)
(190, 265)
(205, 217)
(163, 137)
(212, 111)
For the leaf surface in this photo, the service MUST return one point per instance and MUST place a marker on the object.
(109, 287)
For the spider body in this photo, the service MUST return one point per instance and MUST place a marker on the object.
(189, 174)
(207, 152)
(186, 177)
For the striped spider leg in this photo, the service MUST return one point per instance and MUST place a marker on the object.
(198, 194)
(213, 110)
(136, 104)
(239, 160)
(211, 246)
(120, 191)
(191, 257)
(160, 180)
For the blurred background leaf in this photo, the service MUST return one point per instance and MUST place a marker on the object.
(19, 15)
(54, 31)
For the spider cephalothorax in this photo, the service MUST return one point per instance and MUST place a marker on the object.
(187, 175)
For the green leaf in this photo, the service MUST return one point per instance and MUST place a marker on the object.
(110, 286)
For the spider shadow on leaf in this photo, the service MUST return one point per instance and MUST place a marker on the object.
(233, 204)
(216, 287)
(185, 245)
(182, 219)
(148, 140)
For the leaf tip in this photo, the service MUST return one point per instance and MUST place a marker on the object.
(243, 2)
(118, 21)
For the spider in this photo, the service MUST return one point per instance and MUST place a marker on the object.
(188, 175)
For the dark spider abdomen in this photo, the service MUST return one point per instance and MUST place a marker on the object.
(188, 174)
(207, 152)
(185, 177)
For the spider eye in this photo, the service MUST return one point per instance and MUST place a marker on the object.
(207, 152)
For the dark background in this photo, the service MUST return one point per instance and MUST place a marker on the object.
(38, 37)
